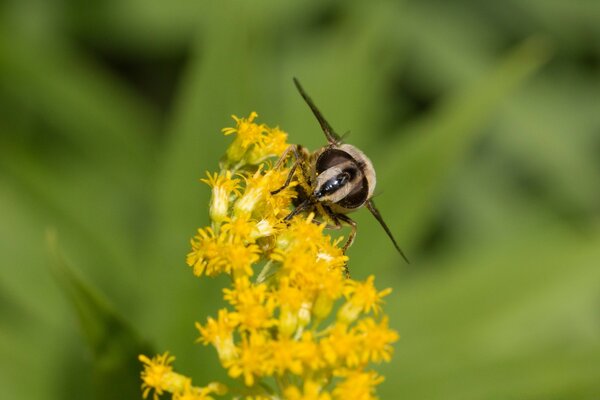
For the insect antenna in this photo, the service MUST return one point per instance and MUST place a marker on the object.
(377, 215)
(332, 137)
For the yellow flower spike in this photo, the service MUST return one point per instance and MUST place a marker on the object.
(272, 336)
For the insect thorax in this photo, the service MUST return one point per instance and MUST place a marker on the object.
(343, 177)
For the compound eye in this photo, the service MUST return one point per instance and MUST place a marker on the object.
(333, 184)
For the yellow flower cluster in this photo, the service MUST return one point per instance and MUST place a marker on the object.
(158, 375)
(300, 329)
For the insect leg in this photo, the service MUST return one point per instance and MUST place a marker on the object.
(303, 206)
(292, 148)
(352, 235)
(336, 218)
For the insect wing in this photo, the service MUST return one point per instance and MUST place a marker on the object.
(377, 215)
(332, 137)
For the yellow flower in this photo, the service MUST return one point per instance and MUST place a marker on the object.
(219, 333)
(309, 352)
(267, 226)
(357, 385)
(254, 143)
(253, 359)
(247, 134)
(239, 258)
(223, 186)
(195, 393)
(276, 206)
(213, 255)
(158, 375)
(302, 232)
(341, 347)
(363, 297)
(290, 300)
(277, 328)
(284, 357)
(311, 390)
(273, 143)
(377, 340)
(205, 256)
(254, 308)
(257, 187)
(239, 228)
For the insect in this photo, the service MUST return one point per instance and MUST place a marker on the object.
(334, 180)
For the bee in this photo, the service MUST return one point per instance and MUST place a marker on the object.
(333, 180)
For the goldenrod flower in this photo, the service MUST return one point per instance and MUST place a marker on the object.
(248, 134)
(285, 357)
(363, 298)
(223, 186)
(254, 309)
(219, 333)
(254, 143)
(294, 327)
(357, 385)
(311, 390)
(272, 144)
(377, 339)
(158, 375)
(341, 347)
(253, 359)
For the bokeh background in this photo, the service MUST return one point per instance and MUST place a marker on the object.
(483, 122)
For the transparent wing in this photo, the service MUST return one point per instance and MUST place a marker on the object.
(377, 215)
(332, 137)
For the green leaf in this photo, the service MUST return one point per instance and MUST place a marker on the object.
(112, 341)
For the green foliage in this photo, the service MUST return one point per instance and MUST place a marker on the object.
(481, 120)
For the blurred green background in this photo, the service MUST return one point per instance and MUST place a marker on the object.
(482, 120)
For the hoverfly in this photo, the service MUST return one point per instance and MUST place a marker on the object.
(337, 179)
